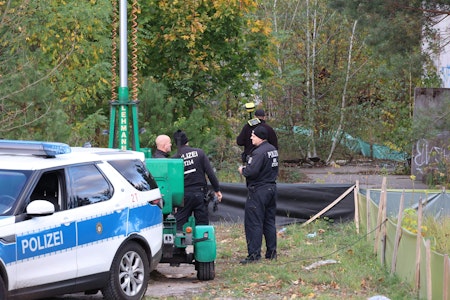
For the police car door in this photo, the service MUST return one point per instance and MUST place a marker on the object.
(46, 245)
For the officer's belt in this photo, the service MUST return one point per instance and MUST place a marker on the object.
(195, 189)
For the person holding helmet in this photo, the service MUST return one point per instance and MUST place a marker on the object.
(261, 173)
(196, 168)
(243, 139)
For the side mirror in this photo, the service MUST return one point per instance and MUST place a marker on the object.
(40, 208)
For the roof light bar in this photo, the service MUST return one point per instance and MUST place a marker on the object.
(48, 149)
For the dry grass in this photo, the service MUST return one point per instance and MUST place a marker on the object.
(356, 274)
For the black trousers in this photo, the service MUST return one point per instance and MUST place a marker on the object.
(194, 202)
(259, 220)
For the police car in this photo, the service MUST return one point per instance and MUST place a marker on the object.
(75, 220)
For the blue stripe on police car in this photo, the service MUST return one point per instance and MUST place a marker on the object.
(46, 241)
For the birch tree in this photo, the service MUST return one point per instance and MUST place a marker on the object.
(340, 127)
(311, 54)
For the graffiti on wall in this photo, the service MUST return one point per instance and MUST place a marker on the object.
(427, 153)
(431, 150)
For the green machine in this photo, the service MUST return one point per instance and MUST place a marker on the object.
(195, 244)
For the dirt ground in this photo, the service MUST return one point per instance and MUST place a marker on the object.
(181, 282)
(166, 281)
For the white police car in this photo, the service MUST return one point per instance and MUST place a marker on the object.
(76, 220)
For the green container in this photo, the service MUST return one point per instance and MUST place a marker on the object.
(169, 175)
(205, 251)
(147, 152)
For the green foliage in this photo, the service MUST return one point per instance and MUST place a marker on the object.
(228, 172)
(437, 172)
(157, 112)
(311, 51)
(438, 231)
(25, 95)
(88, 130)
(199, 61)
(71, 36)
(199, 49)
(54, 69)
(410, 221)
(394, 27)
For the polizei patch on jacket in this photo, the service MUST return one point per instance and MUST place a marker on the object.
(274, 156)
(188, 159)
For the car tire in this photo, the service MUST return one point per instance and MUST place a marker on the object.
(2, 289)
(206, 271)
(129, 274)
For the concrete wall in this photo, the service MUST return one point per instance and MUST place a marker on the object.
(431, 104)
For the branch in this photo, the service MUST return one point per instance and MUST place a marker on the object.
(43, 78)
(10, 119)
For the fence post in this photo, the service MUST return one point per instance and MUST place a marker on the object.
(398, 232)
(356, 195)
(418, 241)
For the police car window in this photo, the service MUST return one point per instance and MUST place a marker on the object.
(135, 172)
(11, 184)
(87, 186)
(48, 188)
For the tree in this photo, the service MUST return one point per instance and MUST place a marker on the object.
(395, 33)
(200, 49)
(312, 55)
(23, 81)
(53, 58)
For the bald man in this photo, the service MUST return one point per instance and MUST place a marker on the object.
(163, 146)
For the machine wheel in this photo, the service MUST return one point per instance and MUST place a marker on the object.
(129, 274)
(2, 289)
(206, 271)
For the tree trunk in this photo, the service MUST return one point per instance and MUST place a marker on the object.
(339, 130)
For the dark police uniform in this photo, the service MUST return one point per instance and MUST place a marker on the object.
(196, 165)
(243, 139)
(261, 174)
(160, 154)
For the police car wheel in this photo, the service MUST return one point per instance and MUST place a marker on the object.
(129, 274)
(2, 289)
(205, 271)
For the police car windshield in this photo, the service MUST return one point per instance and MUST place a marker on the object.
(11, 185)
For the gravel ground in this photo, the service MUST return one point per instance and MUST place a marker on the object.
(368, 176)
(165, 281)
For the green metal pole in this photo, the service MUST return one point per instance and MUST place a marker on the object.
(123, 119)
(122, 108)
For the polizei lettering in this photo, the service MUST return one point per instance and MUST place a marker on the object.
(189, 155)
(274, 156)
(188, 158)
(41, 242)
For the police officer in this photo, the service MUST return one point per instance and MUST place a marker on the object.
(196, 166)
(163, 146)
(261, 173)
(243, 139)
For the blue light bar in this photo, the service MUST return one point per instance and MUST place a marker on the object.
(48, 149)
